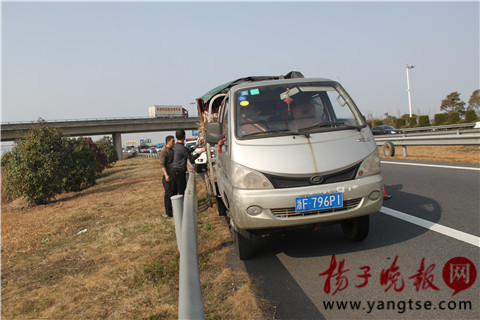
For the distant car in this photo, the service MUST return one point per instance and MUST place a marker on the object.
(200, 162)
(386, 130)
(153, 150)
(190, 144)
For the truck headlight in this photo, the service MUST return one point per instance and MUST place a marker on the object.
(370, 166)
(245, 178)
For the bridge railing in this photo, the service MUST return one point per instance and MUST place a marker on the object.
(85, 119)
(185, 210)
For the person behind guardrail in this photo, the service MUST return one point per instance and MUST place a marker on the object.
(166, 163)
(181, 155)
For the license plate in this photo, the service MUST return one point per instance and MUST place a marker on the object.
(319, 202)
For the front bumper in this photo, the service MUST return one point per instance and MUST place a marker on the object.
(278, 205)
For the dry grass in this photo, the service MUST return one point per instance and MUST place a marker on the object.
(463, 154)
(108, 253)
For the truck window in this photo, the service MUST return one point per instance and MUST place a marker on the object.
(291, 108)
(223, 117)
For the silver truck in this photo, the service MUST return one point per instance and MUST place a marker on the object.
(289, 152)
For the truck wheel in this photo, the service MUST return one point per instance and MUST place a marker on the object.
(198, 169)
(221, 208)
(243, 243)
(389, 149)
(356, 229)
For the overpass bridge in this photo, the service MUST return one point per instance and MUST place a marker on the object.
(92, 127)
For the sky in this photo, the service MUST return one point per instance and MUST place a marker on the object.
(77, 60)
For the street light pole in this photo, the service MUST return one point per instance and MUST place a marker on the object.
(410, 98)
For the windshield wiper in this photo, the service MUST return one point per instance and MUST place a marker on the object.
(329, 124)
(283, 131)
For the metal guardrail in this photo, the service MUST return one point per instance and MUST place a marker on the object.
(443, 127)
(460, 137)
(185, 210)
(149, 155)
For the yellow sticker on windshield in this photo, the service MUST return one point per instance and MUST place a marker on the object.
(244, 103)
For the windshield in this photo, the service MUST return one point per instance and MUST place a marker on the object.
(287, 109)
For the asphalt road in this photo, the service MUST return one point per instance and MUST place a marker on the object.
(293, 270)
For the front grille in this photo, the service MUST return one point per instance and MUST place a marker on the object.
(279, 182)
(290, 212)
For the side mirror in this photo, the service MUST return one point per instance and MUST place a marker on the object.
(214, 132)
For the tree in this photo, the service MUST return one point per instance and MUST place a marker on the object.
(35, 167)
(80, 165)
(106, 144)
(453, 118)
(452, 103)
(43, 163)
(390, 120)
(470, 116)
(100, 156)
(474, 101)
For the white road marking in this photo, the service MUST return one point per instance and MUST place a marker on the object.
(459, 235)
(430, 165)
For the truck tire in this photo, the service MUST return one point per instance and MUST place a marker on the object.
(389, 149)
(243, 243)
(356, 229)
(221, 208)
(198, 169)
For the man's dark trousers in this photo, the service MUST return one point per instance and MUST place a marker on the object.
(180, 180)
(170, 190)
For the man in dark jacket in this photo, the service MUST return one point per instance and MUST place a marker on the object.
(181, 155)
(166, 162)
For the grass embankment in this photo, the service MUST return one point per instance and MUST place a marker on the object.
(463, 154)
(108, 253)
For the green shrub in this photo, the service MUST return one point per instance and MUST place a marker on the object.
(412, 121)
(424, 121)
(377, 123)
(35, 166)
(440, 119)
(80, 165)
(6, 158)
(43, 164)
(453, 117)
(400, 123)
(106, 144)
(470, 116)
(100, 156)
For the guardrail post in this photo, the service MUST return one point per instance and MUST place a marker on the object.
(177, 207)
(404, 149)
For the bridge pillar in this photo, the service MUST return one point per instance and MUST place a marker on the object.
(117, 143)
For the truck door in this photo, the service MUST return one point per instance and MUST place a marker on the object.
(224, 162)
